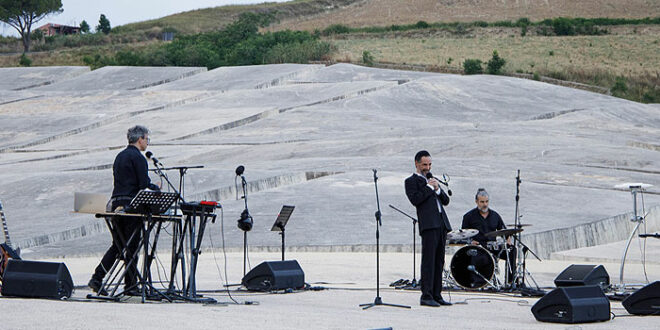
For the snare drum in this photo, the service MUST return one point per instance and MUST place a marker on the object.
(481, 261)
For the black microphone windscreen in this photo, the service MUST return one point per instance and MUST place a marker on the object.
(149, 154)
(429, 175)
(240, 169)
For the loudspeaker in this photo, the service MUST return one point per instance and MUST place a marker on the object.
(36, 279)
(577, 275)
(573, 305)
(645, 301)
(275, 275)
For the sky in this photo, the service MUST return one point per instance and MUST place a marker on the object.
(121, 12)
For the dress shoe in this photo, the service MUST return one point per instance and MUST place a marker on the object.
(429, 302)
(95, 285)
(442, 302)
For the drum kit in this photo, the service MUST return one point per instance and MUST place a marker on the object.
(473, 266)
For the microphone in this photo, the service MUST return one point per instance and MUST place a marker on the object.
(471, 268)
(240, 169)
(430, 176)
(150, 155)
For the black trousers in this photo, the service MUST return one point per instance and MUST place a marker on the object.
(433, 262)
(126, 227)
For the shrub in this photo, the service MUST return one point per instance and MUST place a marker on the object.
(472, 66)
(422, 25)
(24, 60)
(367, 58)
(495, 64)
(619, 87)
(336, 29)
(563, 26)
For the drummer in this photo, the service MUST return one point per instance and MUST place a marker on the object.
(485, 221)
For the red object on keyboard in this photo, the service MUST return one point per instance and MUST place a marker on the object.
(209, 203)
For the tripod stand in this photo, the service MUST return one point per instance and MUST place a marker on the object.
(636, 188)
(378, 301)
(414, 283)
(518, 281)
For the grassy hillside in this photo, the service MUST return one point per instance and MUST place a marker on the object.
(210, 19)
(387, 12)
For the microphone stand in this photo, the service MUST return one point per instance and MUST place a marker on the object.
(414, 222)
(244, 185)
(178, 228)
(378, 301)
(518, 281)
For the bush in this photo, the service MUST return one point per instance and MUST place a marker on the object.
(472, 66)
(367, 58)
(336, 29)
(24, 60)
(422, 25)
(619, 87)
(495, 64)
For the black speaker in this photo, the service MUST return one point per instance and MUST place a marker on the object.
(577, 275)
(275, 275)
(36, 279)
(645, 301)
(578, 304)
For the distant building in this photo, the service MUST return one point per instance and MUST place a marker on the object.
(51, 29)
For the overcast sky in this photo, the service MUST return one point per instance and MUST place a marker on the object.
(120, 12)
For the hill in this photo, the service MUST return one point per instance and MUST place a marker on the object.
(387, 12)
(210, 19)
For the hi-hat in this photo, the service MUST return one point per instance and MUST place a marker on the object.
(461, 234)
(503, 232)
(518, 225)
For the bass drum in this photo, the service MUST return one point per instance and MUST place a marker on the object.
(472, 257)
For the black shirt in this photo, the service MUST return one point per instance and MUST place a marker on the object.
(130, 173)
(474, 220)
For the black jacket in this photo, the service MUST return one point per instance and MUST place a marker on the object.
(426, 202)
(473, 220)
(130, 173)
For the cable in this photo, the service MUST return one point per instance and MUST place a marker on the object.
(643, 251)
(224, 252)
(518, 302)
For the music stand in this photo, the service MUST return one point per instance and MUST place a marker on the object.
(280, 222)
(148, 202)
(152, 202)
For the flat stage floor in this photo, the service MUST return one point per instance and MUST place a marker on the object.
(350, 281)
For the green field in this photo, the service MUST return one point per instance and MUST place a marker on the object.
(595, 60)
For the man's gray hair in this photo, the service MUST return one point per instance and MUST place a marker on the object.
(136, 132)
(481, 192)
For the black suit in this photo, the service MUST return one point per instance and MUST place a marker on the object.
(433, 227)
(130, 175)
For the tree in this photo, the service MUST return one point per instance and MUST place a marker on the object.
(104, 25)
(84, 27)
(495, 64)
(21, 14)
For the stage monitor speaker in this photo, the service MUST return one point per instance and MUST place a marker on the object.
(275, 275)
(645, 301)
(579, 275)
(37, 279)
(573, 305)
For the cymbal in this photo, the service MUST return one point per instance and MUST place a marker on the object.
(503, 232)
(461, 234)
(518, 225)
